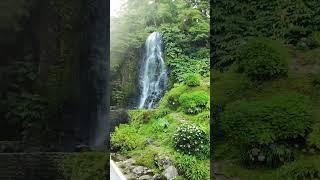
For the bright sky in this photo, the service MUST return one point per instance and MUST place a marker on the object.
(115, 6)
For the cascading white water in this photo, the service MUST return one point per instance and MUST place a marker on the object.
(154, 74)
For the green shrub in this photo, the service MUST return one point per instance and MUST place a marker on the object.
(315, 39)
(194, 102)
(314, 137)
(192, 80)
(203, 120)
(126, 138)
(141, 116)
(190, 139)
(264, 120)
(160, 125)
(146, 157)
(306, 168)
(263, 59)
(83, 166)
(171, 99)
(203, 117)
(228, 86)
(192, 168)
(272, 155)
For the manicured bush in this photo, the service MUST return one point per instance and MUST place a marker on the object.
(305, 168)
(266, 119)
(194, 102)
(192, 80)
(83, 166)
(126, 138)
(190, 139)
(171, 99)
(263, 59)
(192, 168)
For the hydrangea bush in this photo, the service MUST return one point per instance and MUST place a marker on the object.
(190, 139)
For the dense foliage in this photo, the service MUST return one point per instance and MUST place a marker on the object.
(314, 137)
(192, 80)
(126, 138)
(291, 21)
(315, 39)
(192, 168)
(39, 69)
(263, 59)
(265, 120)
(272, 155)
(185, 28)
(171, 99)
(193, 103)
(305, 168)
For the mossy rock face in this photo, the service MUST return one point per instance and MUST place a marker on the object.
(263, 59)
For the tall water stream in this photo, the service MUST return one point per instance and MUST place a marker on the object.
(153, 80)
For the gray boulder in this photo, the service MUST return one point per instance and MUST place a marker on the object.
(170, 173)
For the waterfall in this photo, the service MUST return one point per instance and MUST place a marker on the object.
(153, 78)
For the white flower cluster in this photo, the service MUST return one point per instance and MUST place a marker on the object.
(189, 139)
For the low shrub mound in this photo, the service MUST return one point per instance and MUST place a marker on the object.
(194, 102)
(191, 140)
(263, 59)
(126, 138)
(171, 99)
(306, 168)
(267, 119)
(192, 80)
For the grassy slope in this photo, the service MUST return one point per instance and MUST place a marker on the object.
(229, 86)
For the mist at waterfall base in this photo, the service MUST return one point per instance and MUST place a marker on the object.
(153, 77)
